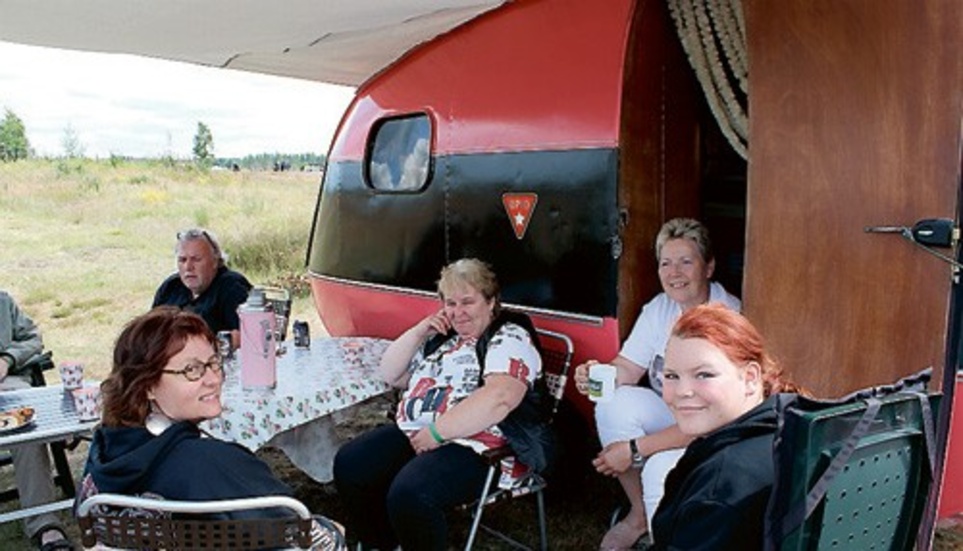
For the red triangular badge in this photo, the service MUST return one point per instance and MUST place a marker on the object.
(519, 207)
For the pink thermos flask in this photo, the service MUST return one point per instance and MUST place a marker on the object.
(258, 350)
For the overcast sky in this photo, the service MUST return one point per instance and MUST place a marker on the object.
(142, 107)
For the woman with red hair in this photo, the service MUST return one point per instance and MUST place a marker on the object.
(719, 383)
(640, 441)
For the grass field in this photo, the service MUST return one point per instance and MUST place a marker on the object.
(86, 243)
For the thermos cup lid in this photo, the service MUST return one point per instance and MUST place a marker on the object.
(255, 298)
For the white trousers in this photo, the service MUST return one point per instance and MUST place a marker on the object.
(633, 412)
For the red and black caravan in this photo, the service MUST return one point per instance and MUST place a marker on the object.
(534, 138)
(552, 138)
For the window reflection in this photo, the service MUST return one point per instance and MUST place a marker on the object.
(400, 158)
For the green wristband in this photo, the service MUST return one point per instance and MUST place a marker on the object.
(434, 434)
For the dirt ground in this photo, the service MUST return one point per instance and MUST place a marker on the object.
(949, 534)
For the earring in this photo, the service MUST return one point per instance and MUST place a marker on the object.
(156, 422)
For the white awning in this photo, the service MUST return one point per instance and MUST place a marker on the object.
(335, 41)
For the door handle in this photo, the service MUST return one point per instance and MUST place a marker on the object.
(927, 233)
(935, 232)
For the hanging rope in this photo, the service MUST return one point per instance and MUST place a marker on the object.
(713, 35)
(728, 18)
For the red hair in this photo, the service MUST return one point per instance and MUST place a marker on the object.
(732, 333)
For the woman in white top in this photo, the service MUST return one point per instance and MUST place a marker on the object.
(640, 440)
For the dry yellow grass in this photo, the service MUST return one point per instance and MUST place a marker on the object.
(85, 243)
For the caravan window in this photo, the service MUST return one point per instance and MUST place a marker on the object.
(399, 158)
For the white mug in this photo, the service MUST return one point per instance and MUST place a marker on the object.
(601, 382)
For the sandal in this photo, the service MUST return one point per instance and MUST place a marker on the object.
(61, 544)
(327, 535)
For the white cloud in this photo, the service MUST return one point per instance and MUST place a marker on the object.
(144, 107)
(415, 172)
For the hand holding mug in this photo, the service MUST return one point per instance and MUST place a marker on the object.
(601, 382)
(582, 375)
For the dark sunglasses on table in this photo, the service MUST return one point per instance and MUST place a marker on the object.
(195, 371)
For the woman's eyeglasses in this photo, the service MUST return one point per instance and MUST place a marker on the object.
(195, 371)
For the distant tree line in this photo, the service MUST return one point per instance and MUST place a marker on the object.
(274, 161)
(14, 145)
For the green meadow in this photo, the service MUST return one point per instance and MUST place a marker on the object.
(84, 243)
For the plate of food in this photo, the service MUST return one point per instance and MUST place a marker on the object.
(13, 419)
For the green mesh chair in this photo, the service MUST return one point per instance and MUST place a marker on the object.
(853, 475)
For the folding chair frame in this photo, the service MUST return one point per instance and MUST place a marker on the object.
(556, 361)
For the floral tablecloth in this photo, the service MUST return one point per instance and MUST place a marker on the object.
(312, 383)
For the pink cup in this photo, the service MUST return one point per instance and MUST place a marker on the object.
(87, 403)
(72, 375)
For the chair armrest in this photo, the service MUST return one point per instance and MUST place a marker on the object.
(494, 455)
(34, 368)
(199, 507)
(44, 361)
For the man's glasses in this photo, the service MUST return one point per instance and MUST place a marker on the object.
(194, 371)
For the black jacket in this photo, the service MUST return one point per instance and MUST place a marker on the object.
(716, 496)
(217, 304)
(178, 464)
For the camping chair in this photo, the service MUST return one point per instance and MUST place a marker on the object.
(34, 369)
(126, 522)
(557, 352)
(855, 473)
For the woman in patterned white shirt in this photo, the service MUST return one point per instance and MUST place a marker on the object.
(398, 481)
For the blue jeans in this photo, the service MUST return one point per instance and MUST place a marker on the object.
(394, 496)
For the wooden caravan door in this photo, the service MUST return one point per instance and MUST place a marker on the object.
(855, 117)
(674, 161)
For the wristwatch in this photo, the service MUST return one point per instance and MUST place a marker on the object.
(637, 459)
